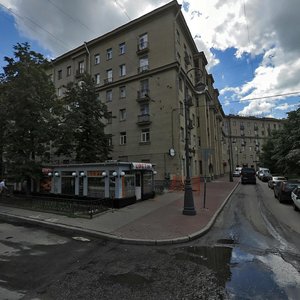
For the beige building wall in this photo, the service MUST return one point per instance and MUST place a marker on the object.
(147, 100)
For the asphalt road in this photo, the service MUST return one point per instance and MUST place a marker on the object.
(265, 239)
(250, 253)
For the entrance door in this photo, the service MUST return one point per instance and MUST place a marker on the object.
(138, 185)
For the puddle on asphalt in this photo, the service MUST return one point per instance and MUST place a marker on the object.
(245, 275)
(7, 294)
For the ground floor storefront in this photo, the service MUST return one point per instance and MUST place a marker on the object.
(122, 182)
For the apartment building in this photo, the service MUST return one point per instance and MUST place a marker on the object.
(244, 138)
(146, 71)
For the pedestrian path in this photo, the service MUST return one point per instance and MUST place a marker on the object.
(153, 221)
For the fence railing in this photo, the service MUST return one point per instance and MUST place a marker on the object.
(85, 208)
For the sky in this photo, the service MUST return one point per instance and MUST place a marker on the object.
(252, 46)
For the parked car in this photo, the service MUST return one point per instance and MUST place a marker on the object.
(264, 175)
(295, 195)
(283, 190)
(236, 173)
(274, 179)
(248, 175)
(260, 171)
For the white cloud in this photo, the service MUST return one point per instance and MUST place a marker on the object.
(269, 28)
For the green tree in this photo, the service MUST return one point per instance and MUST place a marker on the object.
(3, 126)
(282, 150)
(30, 102)
(82, 125)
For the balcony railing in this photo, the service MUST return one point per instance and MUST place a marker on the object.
(108, 80)
(143, 95)
(144, 119)
(143, 69)
(142, 47)
(79, 73)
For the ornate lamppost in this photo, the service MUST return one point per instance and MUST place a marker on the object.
(200, 88)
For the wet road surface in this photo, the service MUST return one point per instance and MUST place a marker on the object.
(250, 253)
(264, 237)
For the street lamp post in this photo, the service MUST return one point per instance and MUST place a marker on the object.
(189, 207)
(230, 154)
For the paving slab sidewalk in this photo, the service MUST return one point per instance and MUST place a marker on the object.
(153, 221)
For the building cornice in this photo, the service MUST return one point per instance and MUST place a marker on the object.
(173, 5)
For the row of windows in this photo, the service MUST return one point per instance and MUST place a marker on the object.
(143, 65)
(144, 111)
(234, 123)
(144, 137)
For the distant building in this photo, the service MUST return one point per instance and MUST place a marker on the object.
(247, 136)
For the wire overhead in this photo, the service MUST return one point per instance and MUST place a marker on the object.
(24, 18)
(75, 20)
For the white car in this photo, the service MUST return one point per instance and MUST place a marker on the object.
(272, 182)
(236, 173)
(295, 195)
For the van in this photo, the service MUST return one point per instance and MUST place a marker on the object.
(248, 175)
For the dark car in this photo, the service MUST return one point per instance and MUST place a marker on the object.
(265, 177)
(248, 175)
(283, 190)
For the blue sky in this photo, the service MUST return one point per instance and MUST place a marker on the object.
(253, 54)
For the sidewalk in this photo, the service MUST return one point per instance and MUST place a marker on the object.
(154, 221)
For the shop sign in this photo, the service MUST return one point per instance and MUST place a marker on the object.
(47, 170)
(141, 166)
(94, 173)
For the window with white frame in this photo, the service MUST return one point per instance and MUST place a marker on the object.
(144, 109)
(143, 41)
(145, 135)
(97, 78)
(81, 67)
(122, 48)
(122, 91)
(109, 75)
(122, 69)
(123, 138)
(59, 92)
(122, 114)
(97, 59)
(109, 96)
(109, 54)
(144, 64)
(69, 71)
(59, 74)
(144, 87)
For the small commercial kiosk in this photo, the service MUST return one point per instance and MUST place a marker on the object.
(123, 182)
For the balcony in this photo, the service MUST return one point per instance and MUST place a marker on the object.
(79, 73)
(144, 119)
(142, 47)
(108, 80)
(143, 69)
(143, 95)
